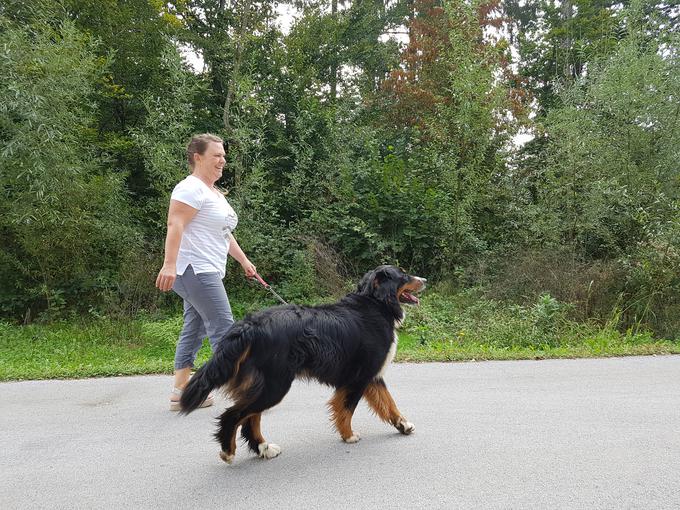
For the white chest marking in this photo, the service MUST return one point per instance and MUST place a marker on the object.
(390, 355)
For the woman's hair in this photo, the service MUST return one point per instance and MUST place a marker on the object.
(198, 145)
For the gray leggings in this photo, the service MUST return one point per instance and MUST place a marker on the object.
(206, 313)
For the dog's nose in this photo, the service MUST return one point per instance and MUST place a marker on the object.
(423, 280)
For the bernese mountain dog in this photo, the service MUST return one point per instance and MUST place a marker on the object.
(346, 345)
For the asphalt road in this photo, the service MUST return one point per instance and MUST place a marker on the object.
(602, 433)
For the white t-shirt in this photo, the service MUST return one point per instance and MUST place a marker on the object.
(205, 240)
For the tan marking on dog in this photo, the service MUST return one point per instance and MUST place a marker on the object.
(382, 403)
(255, 428)
(254, 420)
(238, 386)
(342, 417)
(237, 366)
(231, 452)
(240, 360)
(237, 389)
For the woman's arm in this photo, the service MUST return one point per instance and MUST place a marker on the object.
(179, 215)
(236, 252)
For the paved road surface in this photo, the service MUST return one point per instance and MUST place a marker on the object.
(601, 433)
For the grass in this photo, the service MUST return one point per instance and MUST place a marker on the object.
(598, 346)
(461, 327)
(467, 326)
(100, 348)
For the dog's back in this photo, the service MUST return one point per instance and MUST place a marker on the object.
(332, 343)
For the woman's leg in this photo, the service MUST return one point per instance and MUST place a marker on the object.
(206, 293)
(190, 341)
(206, 312)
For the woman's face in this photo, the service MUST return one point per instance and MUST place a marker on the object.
(211, 162)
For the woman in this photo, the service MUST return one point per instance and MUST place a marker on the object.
(200, 222)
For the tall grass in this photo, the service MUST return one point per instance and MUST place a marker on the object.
(466, 325)
(459, 326)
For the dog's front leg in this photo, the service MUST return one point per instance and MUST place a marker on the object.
(380, 400)
(342, 406)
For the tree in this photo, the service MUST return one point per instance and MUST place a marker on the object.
(556, 41)
(613, 146)
(606, 186)
(446, 102)
(64, 220)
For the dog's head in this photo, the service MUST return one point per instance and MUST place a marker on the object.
(391, 285)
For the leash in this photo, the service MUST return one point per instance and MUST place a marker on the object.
(268, 287)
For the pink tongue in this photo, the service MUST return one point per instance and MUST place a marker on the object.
(411, 298)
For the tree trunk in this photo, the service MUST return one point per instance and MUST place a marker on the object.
(567, 11)
(334, 65)
(238, 57)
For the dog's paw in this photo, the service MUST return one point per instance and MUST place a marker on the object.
(269, 450)
(354, 438)
(406, 427)
(226, 457)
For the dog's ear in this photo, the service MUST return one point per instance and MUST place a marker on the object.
(385, 287)
(379, 284)
(365, 285)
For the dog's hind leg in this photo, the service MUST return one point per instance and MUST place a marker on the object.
(382, 403)
(226, 434)
(342, 406)
(245, 390)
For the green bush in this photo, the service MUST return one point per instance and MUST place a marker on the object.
(64, 219)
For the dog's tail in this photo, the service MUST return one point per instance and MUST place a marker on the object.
(219, 370)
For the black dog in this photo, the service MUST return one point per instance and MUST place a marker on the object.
(346, 345)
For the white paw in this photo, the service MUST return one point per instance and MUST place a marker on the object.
(406, 427)
(269, 450)
(354, 438)
(226, 457)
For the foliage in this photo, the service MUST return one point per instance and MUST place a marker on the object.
(606, 187)
(64, 218)
(467, 325)
(558, 40)
(160, 140)
(449, 112)
(370, 132)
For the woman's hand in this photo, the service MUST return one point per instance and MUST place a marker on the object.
(166, 277)
(248, 268)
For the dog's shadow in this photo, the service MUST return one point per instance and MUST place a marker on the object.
(309, 457)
